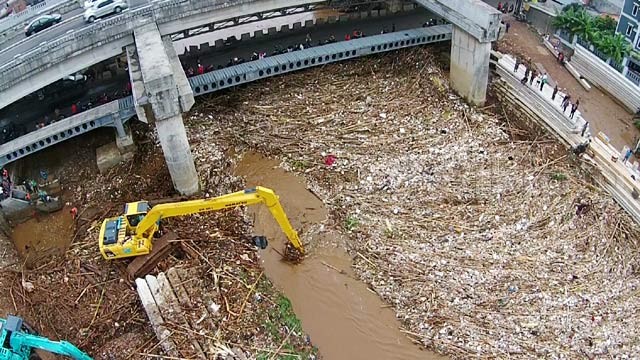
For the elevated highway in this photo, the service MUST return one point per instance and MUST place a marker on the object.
(77, 49)
(72, 46)
(116, 113)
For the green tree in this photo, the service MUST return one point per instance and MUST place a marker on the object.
(614, 46)
(606, 24)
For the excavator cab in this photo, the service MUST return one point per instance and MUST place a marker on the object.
(117, 238)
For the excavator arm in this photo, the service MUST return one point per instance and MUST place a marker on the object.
(240, 198)
(17, 343)
(27, 341)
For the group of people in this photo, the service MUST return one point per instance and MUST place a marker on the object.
(6, 185)
(78, 107)
(200, 69)
(531, 75)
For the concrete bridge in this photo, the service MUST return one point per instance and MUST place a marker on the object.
(476, 25)
(117, 113)
(161, 91)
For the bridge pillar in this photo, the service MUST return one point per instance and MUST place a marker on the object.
(124, 139)
(475, 25)
(469, 71)
(167, 98)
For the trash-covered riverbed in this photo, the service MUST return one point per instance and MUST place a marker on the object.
(486, 239)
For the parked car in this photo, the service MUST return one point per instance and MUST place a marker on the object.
(41, 23)
(75, 78)
(103, 8)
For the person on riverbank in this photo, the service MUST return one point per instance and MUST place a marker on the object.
(627, 155)
(534, 74)
(574, 108)
(543, 81)
(584, 128)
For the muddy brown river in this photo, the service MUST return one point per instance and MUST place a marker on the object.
(36, 243)
(343, 317)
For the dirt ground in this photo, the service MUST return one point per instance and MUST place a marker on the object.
(602, 112)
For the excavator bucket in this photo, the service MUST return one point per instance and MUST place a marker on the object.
(292, 254)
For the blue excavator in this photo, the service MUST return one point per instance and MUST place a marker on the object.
(18, 341)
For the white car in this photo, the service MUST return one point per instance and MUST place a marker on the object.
(75, 77)
(103, 8)
(89, 3)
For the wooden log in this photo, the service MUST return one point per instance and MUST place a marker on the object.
(157, 322)
(173, 309)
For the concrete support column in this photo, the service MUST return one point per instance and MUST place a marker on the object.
(124, 140)
(469, 71)
(163, 88)
(177, 154)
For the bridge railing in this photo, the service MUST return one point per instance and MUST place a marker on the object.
(26, 14)
(108, 30)
(75, 125)
(123, 109)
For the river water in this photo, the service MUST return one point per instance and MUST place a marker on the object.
(343, 317)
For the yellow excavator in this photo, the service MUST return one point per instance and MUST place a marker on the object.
(132, 233)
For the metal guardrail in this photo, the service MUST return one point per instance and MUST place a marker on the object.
(634, 77)
(104, 115)
(110, 29)
(28, 13)
(123, 109)
(315, 56)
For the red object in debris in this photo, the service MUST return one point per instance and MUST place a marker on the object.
(329, 160)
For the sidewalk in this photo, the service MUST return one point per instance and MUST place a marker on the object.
(619, 178)
(603, 113)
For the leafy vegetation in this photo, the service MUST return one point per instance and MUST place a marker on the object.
(281, 323)
(351, 223)
(599, 31)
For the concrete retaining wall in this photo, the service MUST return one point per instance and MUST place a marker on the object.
(541, 20)
(600, 74)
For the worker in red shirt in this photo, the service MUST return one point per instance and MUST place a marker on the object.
(74, 212)
(74, 109)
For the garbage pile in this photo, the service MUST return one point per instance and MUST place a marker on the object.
(486, 244)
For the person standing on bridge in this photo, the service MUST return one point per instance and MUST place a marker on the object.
(515, 68)
(574, 108)
(543, 81)
(74, 109)
(200, 69)
(555, 91)
(500, 6)
(533, 76)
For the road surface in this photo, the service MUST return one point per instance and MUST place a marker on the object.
(70, 21)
